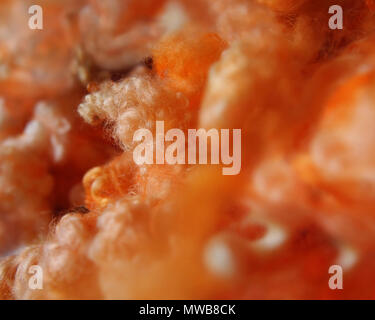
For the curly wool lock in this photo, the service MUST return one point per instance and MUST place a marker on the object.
(301, 93)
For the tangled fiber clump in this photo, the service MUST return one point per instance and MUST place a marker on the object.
(74, 202)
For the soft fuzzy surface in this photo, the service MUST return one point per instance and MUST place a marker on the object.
(73, 201)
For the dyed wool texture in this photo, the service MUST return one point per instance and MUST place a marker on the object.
(74, 202)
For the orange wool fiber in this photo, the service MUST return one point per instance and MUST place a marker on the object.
(34, 181)
(183, 59)
(282, 5)
(116, 34)
(74, 202)
(39, 62)
(133, 103)
(371, 4)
